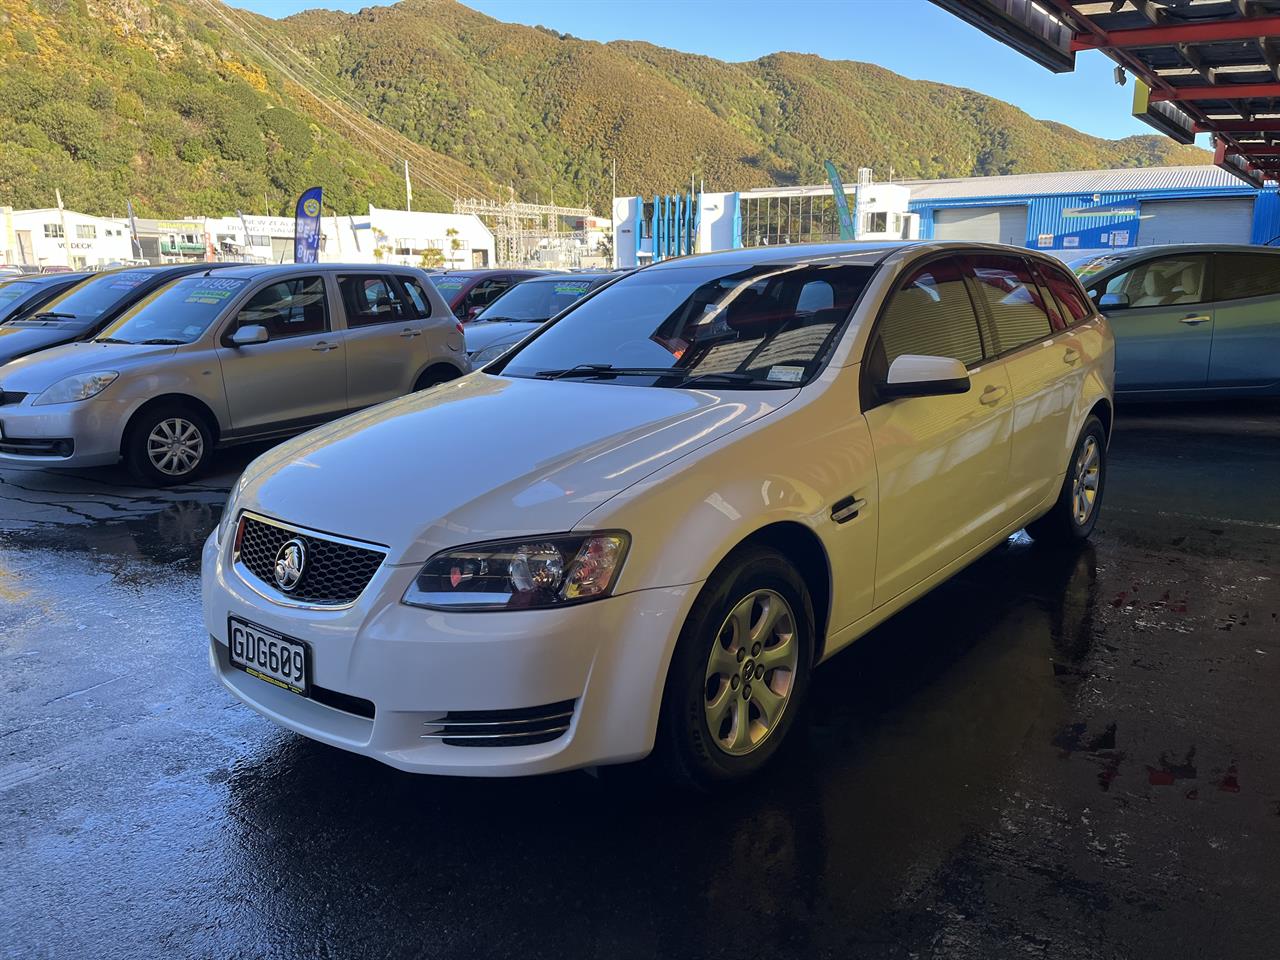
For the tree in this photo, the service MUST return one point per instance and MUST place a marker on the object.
(432, 258)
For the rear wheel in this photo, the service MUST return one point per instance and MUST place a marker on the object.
(168, 445)
(739, 672)
(1075, 513)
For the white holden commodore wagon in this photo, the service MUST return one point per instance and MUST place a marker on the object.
(644, 527)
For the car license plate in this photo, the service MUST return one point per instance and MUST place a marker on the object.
(268, 656)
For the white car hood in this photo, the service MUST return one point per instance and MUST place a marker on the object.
(486, 457)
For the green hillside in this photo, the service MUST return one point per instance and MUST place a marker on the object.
(186, 106)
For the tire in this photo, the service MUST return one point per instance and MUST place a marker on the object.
(1063, 523)
(693, 747)
(434, 376)
(152, 463)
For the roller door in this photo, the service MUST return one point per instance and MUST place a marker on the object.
(1196, 221)
(1006, 224)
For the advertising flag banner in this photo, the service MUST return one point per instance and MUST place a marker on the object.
(133, 232)
(842, 202)
(306, 233)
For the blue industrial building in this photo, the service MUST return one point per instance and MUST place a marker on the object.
(1085, 211)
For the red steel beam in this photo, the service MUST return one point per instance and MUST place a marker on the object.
(1252, 150)
(1219, 91)
(1170, 34)
(1239, 126)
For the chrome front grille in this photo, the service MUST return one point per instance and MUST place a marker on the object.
(502, 728)
(335, 572)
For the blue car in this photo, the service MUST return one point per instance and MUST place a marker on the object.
(1190, 320)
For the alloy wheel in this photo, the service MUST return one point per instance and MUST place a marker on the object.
(1088, 475)
(175, 446)
(751, 672)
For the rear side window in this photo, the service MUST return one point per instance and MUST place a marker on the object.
(1241, 275)
(930, 314)
(1017, 309)
(371, 300)
(417, 296)
(290, 308)
(1068, 293)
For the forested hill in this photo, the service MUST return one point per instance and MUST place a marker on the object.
(175, 104)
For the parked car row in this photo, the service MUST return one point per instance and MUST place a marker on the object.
(678, 496)
(159, 366)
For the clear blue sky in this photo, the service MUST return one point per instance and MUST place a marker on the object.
(910, 37)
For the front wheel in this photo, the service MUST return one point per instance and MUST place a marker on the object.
(168, 445)
(1075, 514)
(739, 672)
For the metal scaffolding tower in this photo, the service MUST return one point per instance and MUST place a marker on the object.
(520, 229)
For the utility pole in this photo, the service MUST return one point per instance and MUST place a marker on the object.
(615, 185)
(408, 188)
(62, 217)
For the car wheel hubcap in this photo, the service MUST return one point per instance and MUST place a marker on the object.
(1088, 474)
(175, 446)
(751, 672)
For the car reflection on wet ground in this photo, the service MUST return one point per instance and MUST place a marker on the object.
(1057, 755)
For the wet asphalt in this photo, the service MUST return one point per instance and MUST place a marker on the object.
(1059, 755)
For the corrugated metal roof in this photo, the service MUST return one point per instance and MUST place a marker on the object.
(1074, 181)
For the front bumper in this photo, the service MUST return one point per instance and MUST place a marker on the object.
(41, 436)
(609, 658)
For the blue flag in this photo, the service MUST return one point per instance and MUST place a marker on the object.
(306, 228)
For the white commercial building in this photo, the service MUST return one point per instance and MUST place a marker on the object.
(51, 237)
(648, 230)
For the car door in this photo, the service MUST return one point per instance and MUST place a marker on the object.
(442, 338)
(1246, 320)
(384, 337)
(1163, 322)
(942, 461)
(1044, 367)
(299, 375)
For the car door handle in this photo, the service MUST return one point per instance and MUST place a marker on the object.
(1071, 356)
(1193, 319)
(323, 347)
(407, 333)
(993, 394)
(842, 511)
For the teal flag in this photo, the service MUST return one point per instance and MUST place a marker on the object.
(847, 230)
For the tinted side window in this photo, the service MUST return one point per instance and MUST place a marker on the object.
(290, 308)
(1017, 309)
(417, 296)
(1241, 275)
(1068, 293)
(1164, 281)
(372, 299)
(930, 314)
(485, 292)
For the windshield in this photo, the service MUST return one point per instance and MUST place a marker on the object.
(759, 326)
(450, 283)
(88, 301)
(179, 312)
(1085, 267)
(14, 295)
(536, 300)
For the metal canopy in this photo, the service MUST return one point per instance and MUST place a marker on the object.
(1199, 66)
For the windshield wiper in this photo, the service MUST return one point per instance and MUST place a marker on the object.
(163, 340)
(111, 340)
(587, 370)
(686, 377)
(52, 315)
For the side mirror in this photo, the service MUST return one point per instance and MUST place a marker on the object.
(1115, 301)
(246, 336)
(915, 376)
(474, 312)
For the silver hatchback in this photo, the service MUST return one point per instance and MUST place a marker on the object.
(219, 357)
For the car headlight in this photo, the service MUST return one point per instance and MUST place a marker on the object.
(80, 387)
(490, 353)
(230, 510)
(521, 574)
